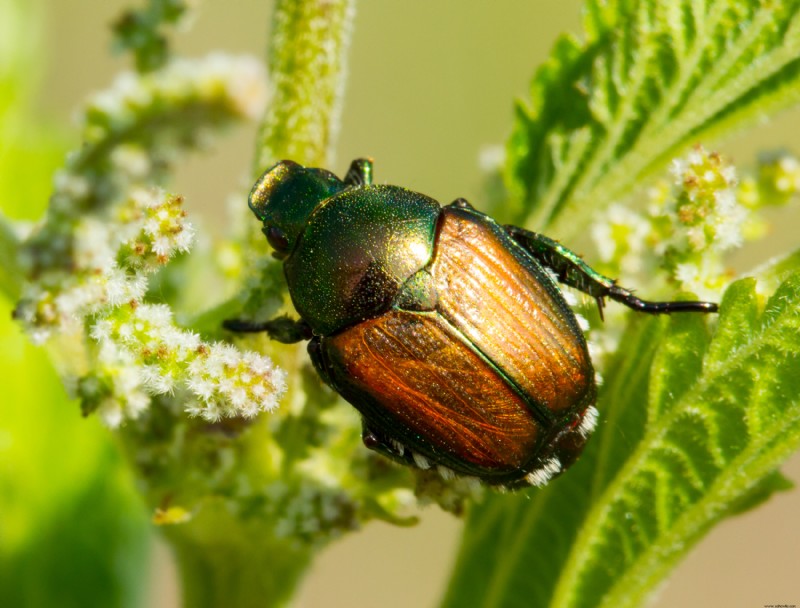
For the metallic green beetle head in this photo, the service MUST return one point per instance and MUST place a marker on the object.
(284, 198)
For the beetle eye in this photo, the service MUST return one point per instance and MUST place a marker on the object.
(277, 239)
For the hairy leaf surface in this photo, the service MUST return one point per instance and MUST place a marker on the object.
(649, 79)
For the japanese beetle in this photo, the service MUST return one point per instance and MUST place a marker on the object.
(445, 330)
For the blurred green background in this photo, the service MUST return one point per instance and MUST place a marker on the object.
(431, 85)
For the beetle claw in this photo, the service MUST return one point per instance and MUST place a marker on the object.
(601, 304)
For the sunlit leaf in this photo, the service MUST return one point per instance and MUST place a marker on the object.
(648, 79)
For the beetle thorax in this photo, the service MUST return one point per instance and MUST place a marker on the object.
(355, 253)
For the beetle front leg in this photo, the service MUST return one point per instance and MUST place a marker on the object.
(574, 272)
(359, 173)
(282, 329)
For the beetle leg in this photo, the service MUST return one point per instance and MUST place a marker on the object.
(282, 329)
(376, 442)
(574, 272)
(318, 361)
(393, 449)
(461, 203)
(359, 173)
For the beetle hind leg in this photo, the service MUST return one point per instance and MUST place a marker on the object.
(571, 270)
(393, 449)
(377, 442)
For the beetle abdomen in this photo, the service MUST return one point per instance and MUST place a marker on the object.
(510, 310)
(494, 381)
(412, 373)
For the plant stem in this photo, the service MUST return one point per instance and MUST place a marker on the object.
(10, 273)
(227, 558)
(225, 561)
(307, 56)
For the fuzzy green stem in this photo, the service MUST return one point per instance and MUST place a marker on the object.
(10, 274)
(227, 560)
(307, 58)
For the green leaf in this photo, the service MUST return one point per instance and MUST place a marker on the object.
(650, 78)
(73, 531)
(722, 415)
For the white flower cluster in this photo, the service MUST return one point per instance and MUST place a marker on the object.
(707, 204)
(687, 228)
(311, 511)
(131, 132)
(107, 229)
(237, 84)
(785, 173)
(777, 181)
(156, 231)
(707, 221)
(113, 389)
(109, 263)
(225, 381)
(228, 382)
